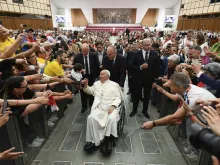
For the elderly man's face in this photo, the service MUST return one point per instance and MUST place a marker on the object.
(85, 51)
(4, 33)
(103, 76)
(171, 64)
(111, 53)
(146, 45)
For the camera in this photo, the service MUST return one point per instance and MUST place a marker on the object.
(204, 138)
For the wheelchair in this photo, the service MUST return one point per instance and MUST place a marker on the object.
(121, 121)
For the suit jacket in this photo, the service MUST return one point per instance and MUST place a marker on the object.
(104, 54)
(145, 76)
(214, 84)
(128, 62)
(93, 64)
(119, 46)
(117, 69)
(120, 51)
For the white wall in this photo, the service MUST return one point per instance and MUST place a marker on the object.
(68, 17)
(169, 7)
(161, 17)
(176, 12)
(140, 14)
(54, 12)
(88, 14)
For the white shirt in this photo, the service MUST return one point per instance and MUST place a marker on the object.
(196, 93)
(100, 56)
(88, 63)
(75, 75)
(144, 53)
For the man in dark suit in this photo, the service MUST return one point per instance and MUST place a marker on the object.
(129, 56)
(123, 51)
(120, 44)
(100, 53)
(145, 64)
(116, 64)
(127, 31)
(91, 65)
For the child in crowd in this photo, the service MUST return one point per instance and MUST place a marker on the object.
(76, 75)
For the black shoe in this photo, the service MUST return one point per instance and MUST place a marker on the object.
(132, 113)
(89, 147)
(83, 110)
(106, 149)
(146, 114)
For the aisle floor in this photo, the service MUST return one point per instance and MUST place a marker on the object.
(65, 145)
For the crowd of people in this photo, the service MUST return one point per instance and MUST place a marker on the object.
(182, 65)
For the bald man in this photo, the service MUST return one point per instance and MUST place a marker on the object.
(91, 66)
(102, 122)
(145, 63)
(116, 64)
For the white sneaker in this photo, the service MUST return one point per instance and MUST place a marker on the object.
(39, 139)
(50, 123)
(34, 144)
(192, 157)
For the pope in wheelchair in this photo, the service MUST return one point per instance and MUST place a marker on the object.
(101, 130)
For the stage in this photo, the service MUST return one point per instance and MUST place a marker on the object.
(114, 27)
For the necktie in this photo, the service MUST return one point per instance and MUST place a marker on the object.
(146, 57)
(87, 66)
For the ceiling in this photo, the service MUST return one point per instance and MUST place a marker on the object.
(115, 3)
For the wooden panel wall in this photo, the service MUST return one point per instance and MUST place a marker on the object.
(95, 20)
(199, 23)
(14, 23)
(133, 16)
(78, 18)
(150, 17)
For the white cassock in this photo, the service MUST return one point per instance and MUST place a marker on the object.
(99, 123)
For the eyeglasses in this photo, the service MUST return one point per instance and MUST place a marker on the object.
(24, 86)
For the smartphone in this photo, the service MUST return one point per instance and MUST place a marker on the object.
(195, 62)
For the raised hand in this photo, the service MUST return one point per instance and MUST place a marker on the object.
(212, 118)
(9, 155)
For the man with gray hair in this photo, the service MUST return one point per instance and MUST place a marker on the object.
(145, 64)
(102, 121)
(91, 65)
(116, 64)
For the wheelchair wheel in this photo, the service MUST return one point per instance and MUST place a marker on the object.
(121, 121)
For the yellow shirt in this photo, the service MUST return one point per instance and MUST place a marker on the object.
(54, 69)
(8, 42)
